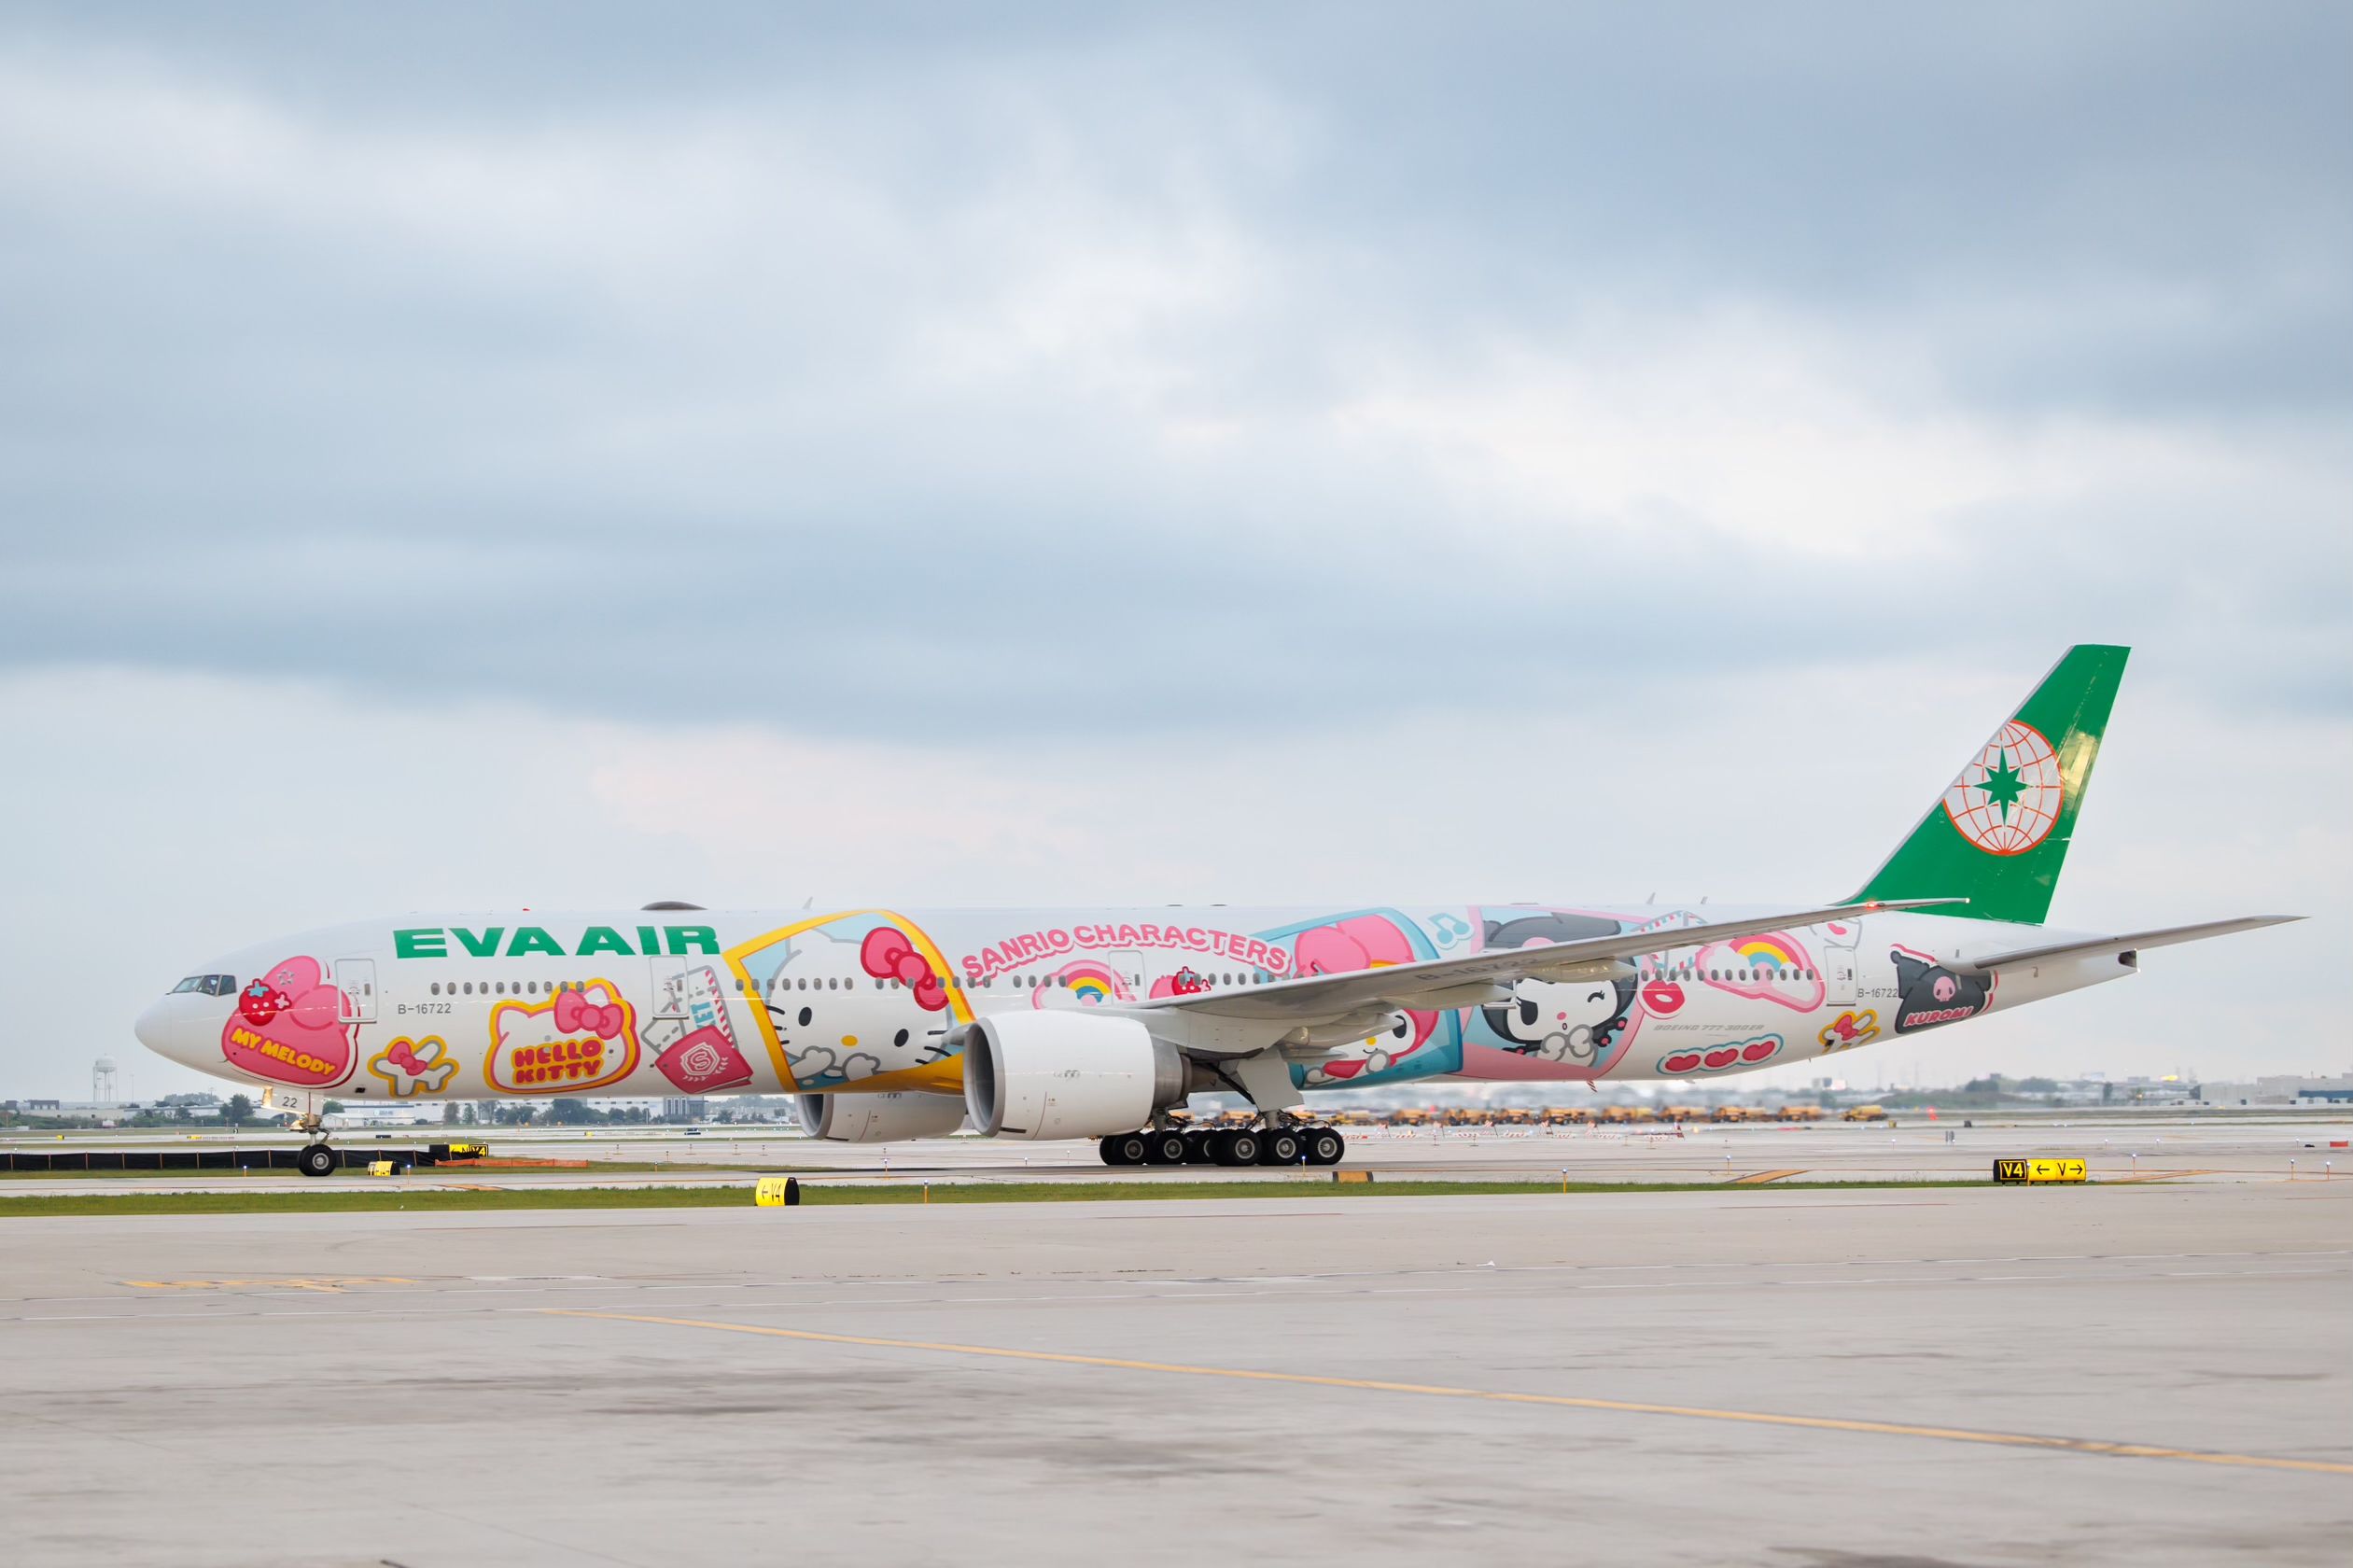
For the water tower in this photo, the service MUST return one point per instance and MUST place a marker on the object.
(102, 1081)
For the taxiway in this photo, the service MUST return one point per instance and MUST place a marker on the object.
(2149, 1376)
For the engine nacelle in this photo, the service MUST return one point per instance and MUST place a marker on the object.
(877, 1118)
(1066, 1074)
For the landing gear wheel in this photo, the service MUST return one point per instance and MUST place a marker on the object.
(1201, 1148)
(1281, 1147)
(318, 1159)
(1166, 1148)
(1325, 1147)
(1128, 1148)
(1237, 1147)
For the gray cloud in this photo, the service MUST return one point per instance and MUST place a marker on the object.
(506, 453)
(1110, 372)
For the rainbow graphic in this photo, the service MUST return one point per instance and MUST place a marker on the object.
(1771, 951)
(1088, 982)
(1768, 968)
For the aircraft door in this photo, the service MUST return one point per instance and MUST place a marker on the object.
(355, 978)
(673, 989)
(1838, 940)
(1130, 967)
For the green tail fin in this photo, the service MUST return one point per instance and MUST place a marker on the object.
(2001, 829)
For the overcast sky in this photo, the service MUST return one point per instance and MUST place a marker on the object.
(495, 455)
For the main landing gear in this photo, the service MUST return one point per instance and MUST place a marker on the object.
(1277, 1145)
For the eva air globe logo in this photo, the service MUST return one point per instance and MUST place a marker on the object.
(2007, 799)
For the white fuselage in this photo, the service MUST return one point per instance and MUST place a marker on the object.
(672, 1002)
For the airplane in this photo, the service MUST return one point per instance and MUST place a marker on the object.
(892, 1023)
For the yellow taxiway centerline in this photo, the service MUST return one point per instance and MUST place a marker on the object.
(1758, 1418)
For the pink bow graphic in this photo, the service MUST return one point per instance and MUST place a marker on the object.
(575, 1014)
(888, 955)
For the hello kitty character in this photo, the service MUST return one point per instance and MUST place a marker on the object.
(851, 997)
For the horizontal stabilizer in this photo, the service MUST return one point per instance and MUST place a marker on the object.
(2131, 941)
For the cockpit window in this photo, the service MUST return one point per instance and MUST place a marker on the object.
(208, 985)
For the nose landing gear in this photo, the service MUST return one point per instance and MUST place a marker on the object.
(309, 1110)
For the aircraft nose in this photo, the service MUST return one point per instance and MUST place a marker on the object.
(176, 1025)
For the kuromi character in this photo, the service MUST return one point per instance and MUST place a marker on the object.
(1576, 1021)
(1930, 994)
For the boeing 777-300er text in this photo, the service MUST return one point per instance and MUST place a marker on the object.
(1098, 1023)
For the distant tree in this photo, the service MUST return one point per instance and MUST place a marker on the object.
(237, 1111)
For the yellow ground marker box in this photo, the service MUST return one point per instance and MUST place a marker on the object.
(777, 1192)
(2036, 1172)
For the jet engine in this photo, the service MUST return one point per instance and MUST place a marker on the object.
(877, 1118)
(1066, 1074)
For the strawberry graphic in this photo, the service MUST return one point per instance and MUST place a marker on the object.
(260, 1003)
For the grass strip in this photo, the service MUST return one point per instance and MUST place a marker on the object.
(394, 1198)
(456, 1172)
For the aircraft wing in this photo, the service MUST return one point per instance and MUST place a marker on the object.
(1473, 978)
(2131, 941)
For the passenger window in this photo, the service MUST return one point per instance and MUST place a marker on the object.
(437, 988)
